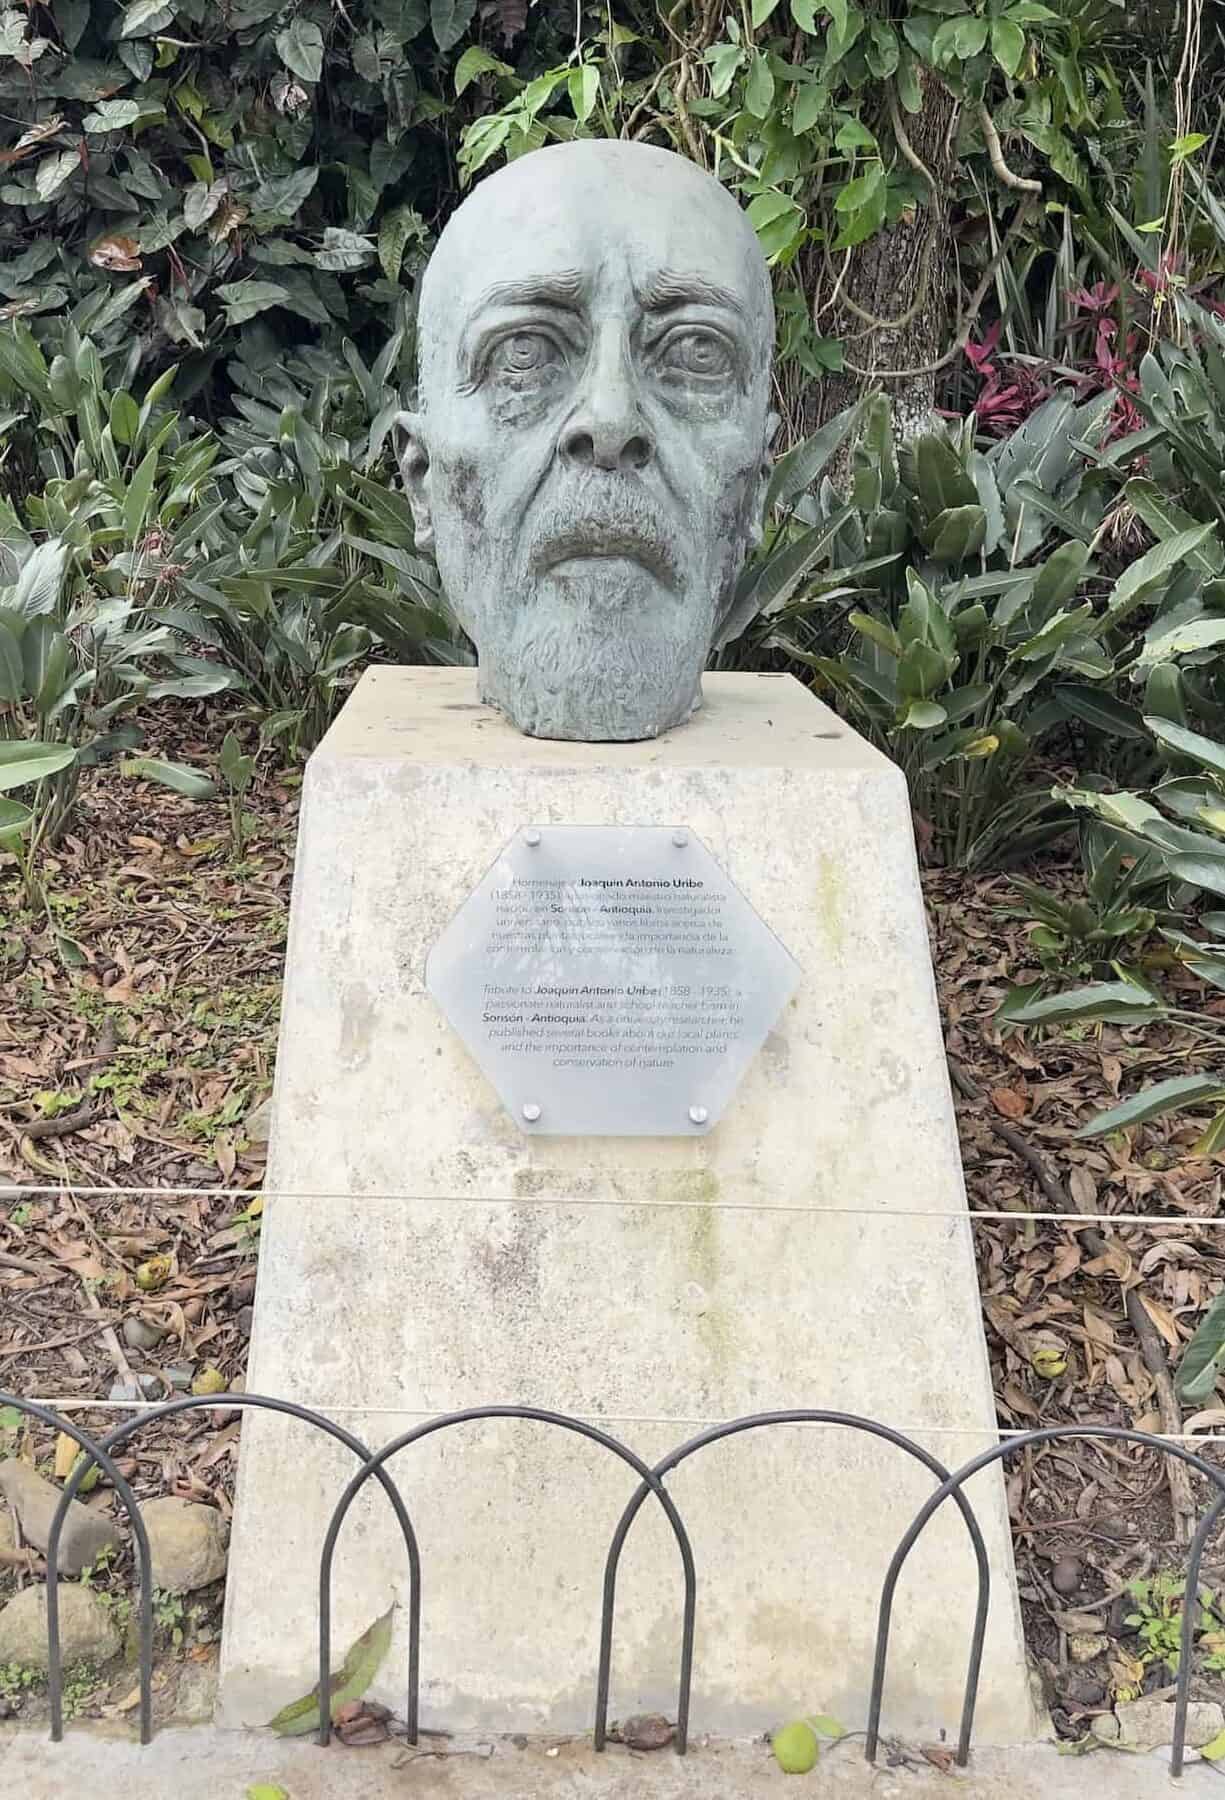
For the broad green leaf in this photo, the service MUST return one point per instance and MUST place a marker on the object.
(1128, 812)
(1212, 970)
(279, 198)
(343, 250)
(26, 761)
(183, 324)
(1099, 708)
(1056, 631)
(923, 715)
(139, 494)
(125, 418)
(539, 92)
(350, 1682)
(474, 63)
(860, 192)
(1154, 1102)
(804, 12)
(1201, 871)
(1203, 750)
(782, 233)
(111, 115)
(956, 534)
(1165, 519)
(193, 687)
(1060, 576)
(171, 775)
(235, 767)
(769, 587)
(1182, 640)
(1140, 578)
(244, 299)
(759, 86)
(878, 632)
(300, 48)
(855, 136)
(762, 10)
(12, 680)
(970, 36)
(800, 466)
(1112, 1000)
(882, 52)
(1196, 1376)
(725, 61)
(584, 88)
(54, 172)
(765, 208)
(41, 580)
(14, 819)
(397, 229)
(449, 19)
(1007, 44)
(139, 15)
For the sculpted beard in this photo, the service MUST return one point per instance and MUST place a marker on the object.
(605, 644)
(598, 630)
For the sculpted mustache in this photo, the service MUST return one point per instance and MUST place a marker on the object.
(633, 530)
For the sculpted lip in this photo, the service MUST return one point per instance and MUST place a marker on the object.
(592, 541)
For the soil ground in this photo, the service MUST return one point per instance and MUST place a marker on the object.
(139, 995)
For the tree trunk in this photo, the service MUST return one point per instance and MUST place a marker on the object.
(900, 277)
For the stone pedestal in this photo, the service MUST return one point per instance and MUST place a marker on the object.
(422, 1254)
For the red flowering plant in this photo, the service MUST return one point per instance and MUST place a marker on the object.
(1006, 397)
(1107, 329)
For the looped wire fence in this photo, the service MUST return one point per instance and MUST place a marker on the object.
(101, 1450)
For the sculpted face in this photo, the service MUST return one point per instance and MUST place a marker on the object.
(589, 458)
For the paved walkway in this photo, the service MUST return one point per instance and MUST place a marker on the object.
(199, 1763)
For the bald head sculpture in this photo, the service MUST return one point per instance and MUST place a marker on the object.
(591, 448)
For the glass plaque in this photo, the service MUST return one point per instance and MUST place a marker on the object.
(610, 980)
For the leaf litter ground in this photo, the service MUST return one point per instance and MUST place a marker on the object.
(138, 1016)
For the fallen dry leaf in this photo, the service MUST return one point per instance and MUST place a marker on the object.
(1008, 1102)
(115, 252)
(939, 1757)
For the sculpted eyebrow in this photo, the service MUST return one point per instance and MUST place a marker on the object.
(669, 288)
(564, 290)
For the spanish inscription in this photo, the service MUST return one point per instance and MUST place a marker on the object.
(611, 980)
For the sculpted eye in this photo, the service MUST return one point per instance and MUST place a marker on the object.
(524, 353)
(701, 353)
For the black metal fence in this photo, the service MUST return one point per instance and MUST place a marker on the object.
(373, 1466)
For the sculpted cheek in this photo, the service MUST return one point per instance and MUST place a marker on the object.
(512, 411)
(699, 408)
(466, 490)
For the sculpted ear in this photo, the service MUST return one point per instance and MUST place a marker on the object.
(414, 461)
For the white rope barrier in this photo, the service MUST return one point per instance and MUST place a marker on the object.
(1071, 1221)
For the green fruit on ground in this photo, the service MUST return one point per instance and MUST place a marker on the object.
(795, 1748)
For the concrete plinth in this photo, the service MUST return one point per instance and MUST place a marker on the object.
(421, 1254)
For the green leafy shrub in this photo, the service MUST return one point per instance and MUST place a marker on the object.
(173, 173)
(79, 649)
(984, 629)
(1124, 894)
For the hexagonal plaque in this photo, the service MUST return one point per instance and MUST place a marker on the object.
(610, 980)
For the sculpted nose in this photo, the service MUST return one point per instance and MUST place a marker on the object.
(606, 430)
